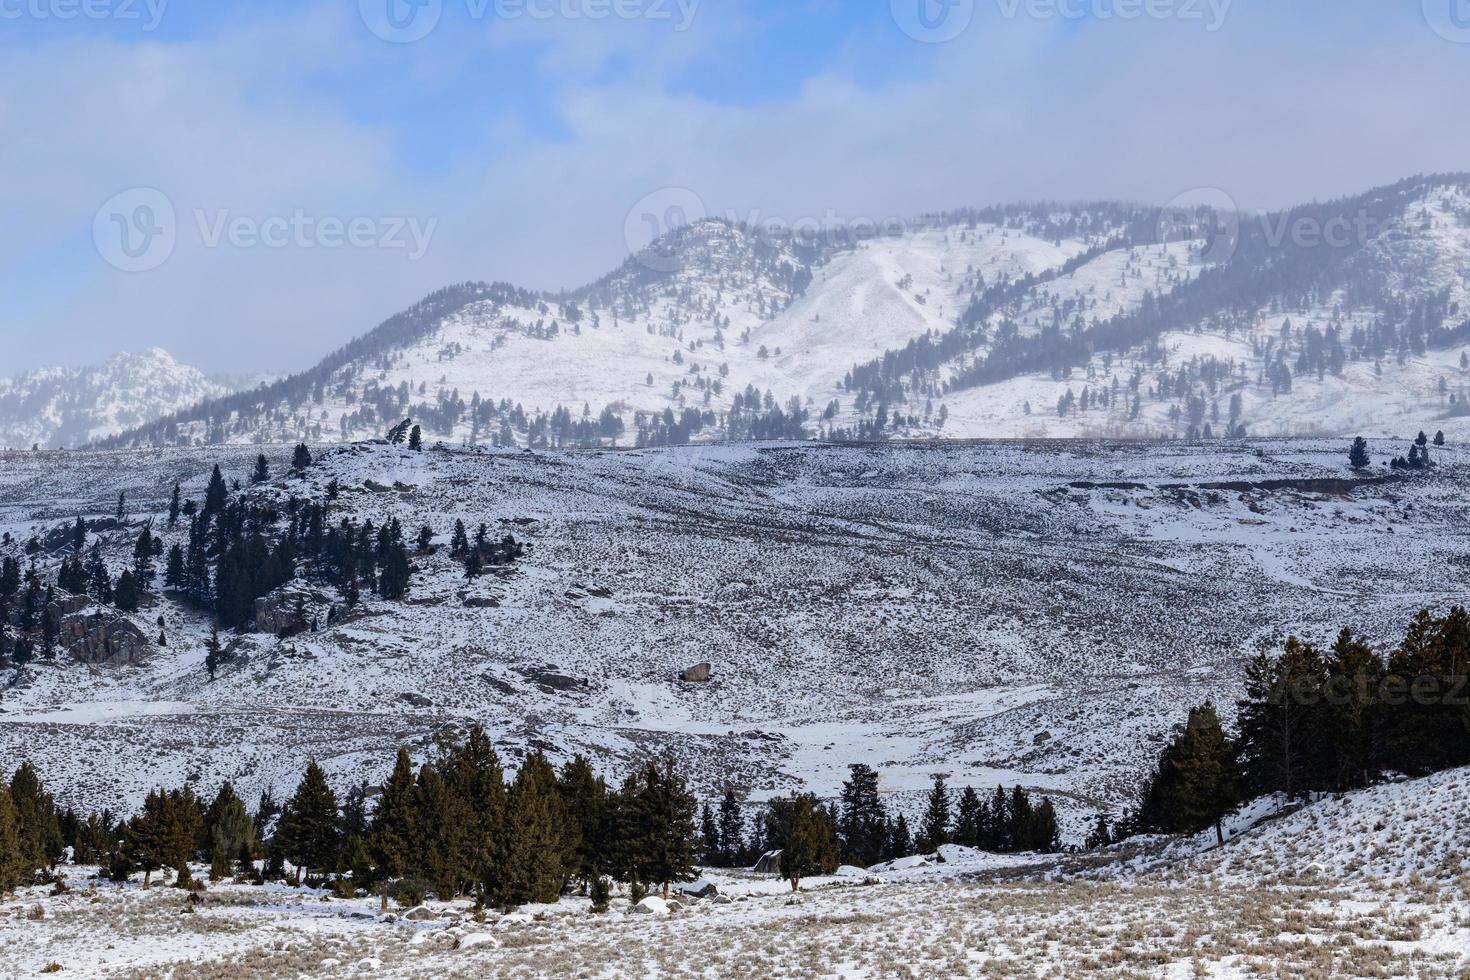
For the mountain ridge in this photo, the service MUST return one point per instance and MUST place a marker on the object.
(723, 332)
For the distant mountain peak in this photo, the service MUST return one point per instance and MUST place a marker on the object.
(55, 406)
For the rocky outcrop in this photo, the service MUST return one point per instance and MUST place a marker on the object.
(103, 637)
(698, 674)
(293, 608)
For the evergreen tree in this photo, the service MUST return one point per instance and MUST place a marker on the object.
(1101, 834)
(810, 847)
(308, 832)
(229, 831)
(262, 473)
(863, 821)
(416, 439)
(1197, 781)
(214, 653)
(1358, 454)
(35, 810)
(15, 867)
(584, 797)
(661, 811)
(393, 579)
(125, 597)
(174, 575)
(301, 460)
(900, 841)
(174, 507)
(969, 818)
(732, 830)
(215, 496)
(530, 849)
(144, 551)
(934, 832)
(158, 837)
(390, 840)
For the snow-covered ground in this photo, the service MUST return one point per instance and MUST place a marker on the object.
(1371, 884)
(1007, 613)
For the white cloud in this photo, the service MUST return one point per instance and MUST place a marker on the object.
(1015, 109)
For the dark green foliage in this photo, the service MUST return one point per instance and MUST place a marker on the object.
(934, 832)
(416, 439)
(658, 823)
(810, 844)
(301, 460)
(1358, 454)
(308, 834)
(863, 824)
(1197, 781)
(229, 831)
(125, 596)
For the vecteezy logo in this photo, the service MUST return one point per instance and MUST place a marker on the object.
(1450, 19)
(933, 21)
(136, 231)
(652, 219)
(1206, 215)
(401, 21)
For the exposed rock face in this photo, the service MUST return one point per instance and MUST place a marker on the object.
(102, 636)
(293, 608)
(698, 674)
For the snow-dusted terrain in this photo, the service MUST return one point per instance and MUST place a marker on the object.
(1370, 884)
(70, 406)
(1151, 328)
(1008, 613)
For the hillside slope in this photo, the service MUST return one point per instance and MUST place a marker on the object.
(56, 407)
(1100, 319)
(1004, 613)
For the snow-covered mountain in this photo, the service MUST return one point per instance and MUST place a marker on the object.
(54, 407)
(1030, 320)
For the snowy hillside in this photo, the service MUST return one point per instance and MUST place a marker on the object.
(1039, 614)
(56, 407)
(1371, 884)
(1092, 320)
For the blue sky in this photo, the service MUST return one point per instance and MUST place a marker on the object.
(521, 145)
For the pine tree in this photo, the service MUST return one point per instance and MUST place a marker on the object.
(262, 473)
(934, 832)
(125, 596)
(732, 830)
(174, 507)
(810, 847)
(214, 653)
(143, 552)
(416, 439)
(1101, 834)
(1197, 781)
(530, 846)
(968, 819)
(215, 495)
(301, 460)
(459, 543)
(390, 839)
(473, 769)
(584, 797)
(709, 838)
(174, 574)
(393, 579)
(863, 821)
(158, 836)
(1358, 454)
(662, 812)
(426, 539)
(229, 830)
(35, 810)
(900, 841)
(308, 833)
(15, 868)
